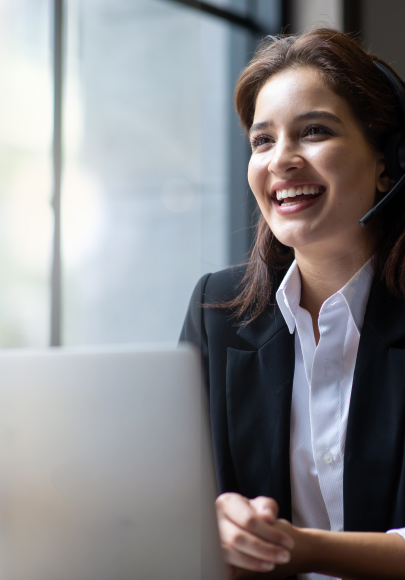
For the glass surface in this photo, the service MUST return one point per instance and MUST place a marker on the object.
(26, 226)
(144, 197)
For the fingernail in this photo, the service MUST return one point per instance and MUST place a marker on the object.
(289, 544)
(268, 512)
(283, 557)
(268, 566)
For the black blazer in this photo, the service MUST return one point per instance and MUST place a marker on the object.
(250, 374)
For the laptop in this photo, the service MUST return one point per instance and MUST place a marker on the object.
(106, 469)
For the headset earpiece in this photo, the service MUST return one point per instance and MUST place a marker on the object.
(395, 155)
(394, 148)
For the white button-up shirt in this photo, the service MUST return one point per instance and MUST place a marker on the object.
(322, 387)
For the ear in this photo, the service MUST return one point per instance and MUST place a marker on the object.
(383, 181)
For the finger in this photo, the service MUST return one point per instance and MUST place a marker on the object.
(265, 506)
(238, 510)
(246, 562)
(242, 545)
(268, 509)
(225, 499)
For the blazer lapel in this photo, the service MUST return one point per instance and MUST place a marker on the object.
(376, 424)
(258, 390)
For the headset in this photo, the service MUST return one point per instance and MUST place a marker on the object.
(394, 148)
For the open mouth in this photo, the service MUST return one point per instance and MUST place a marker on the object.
(295, 195)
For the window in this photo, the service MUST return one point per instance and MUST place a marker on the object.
(153, 189)
(25, 172)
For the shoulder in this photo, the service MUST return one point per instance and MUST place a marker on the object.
(223, 285)
(217, 287)
(211, 289)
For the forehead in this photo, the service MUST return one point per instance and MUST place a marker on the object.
(296, 91)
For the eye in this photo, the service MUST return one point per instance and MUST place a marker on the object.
(260, 140)
(317, 130)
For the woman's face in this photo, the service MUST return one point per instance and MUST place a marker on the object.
(307, 145)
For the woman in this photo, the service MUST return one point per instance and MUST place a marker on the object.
(304, 348)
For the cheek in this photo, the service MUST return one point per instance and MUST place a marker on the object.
(330, 160)
(353, 176)
(257, 176)
(342, 165)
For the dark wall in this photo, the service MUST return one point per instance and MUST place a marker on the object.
(383, 30)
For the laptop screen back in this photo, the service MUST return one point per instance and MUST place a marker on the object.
(105, 467)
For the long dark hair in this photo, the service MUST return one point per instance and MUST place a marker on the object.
(350, 72)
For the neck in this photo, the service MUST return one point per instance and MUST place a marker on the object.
(323, 276)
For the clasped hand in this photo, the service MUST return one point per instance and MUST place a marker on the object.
(251, 536)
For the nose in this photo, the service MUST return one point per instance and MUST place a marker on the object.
(285, 157)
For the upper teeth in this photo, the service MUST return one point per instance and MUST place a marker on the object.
(294, 191)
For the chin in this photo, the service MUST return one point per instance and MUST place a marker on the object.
(294, 239)
(305, 233)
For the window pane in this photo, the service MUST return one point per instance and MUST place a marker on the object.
(26, 111)
(144, 200)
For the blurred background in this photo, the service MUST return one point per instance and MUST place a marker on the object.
(122, 163)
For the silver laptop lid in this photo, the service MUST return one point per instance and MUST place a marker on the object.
(105, 467)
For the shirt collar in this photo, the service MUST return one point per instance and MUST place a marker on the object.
(355, 293)
(288, 295)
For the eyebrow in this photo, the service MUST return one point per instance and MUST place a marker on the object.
(260, 126)
(304, 117)
(318, 115)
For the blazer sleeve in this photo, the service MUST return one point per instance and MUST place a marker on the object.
(194, 327)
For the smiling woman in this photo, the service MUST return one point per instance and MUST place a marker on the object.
(340, 68)
(303, 346)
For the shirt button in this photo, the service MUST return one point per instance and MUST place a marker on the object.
(328, 458)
